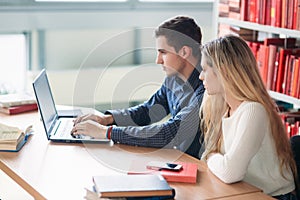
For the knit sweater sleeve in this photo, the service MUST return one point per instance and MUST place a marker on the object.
(243, 134)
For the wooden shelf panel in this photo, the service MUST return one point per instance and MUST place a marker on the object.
(285, 98)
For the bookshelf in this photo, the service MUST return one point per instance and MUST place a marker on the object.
(274, 31)
(260, 27)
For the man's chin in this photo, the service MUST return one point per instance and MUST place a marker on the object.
(169, 74)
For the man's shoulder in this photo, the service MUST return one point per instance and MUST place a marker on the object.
(200, 88)
(199, 92)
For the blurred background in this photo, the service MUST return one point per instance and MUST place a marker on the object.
(109, 40)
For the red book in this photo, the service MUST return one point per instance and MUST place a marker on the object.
(290, 14)
(255, 48)
(295, 14)
(285, 74)
(244, 10)
(188, 173)
(284, 13)
(268, 12)
(262, 57)
(281, 66)
(273, 88)
(252, 12)
(298, 83)
(271, 65)
(289, 66)
(295, 78)
(298, 17)
(278, 13)
(18, 109)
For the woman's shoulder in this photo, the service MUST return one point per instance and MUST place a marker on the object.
(252, 106)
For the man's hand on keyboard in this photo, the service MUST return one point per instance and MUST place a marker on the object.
(89, 128)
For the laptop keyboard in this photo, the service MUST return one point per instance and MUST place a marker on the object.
(65, 127)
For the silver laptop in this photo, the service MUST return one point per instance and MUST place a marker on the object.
(58, 125)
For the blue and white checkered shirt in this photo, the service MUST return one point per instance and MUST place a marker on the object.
(181, 100)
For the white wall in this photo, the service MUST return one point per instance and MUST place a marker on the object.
(67, 48)
(109, 86)
(92, 41)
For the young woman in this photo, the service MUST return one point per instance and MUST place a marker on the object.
(244, 135)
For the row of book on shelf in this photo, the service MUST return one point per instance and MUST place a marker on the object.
(278, 60)
(278, 13)
(16, 103)
(147, 184)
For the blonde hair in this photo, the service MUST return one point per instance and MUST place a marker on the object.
(237, 69)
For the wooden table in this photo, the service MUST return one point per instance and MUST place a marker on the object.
(56, 171)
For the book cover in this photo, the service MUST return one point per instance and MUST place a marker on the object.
(284, 14)
(273, 12)
(188, 174)
(268, 12)
(290, 66)
(271, 65)
(298, 17)
(255, 46)
(286, 75)
(298, 83)
(142, 185)
(244, 10)
(290, 14)
(252, 11)
(295, 79)
(18, 109)
(273, 87)
(262, 58)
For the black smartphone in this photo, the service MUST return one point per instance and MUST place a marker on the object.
(156, 165)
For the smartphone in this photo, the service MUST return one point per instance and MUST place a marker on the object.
(156, 165)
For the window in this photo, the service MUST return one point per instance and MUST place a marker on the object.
(12, 63)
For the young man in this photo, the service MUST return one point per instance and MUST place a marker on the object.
(178, 43)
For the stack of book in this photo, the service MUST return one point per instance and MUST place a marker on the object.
(17, 103)
(142, 186)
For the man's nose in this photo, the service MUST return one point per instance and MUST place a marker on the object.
(159, 59)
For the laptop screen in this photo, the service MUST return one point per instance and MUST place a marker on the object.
(45, 100)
